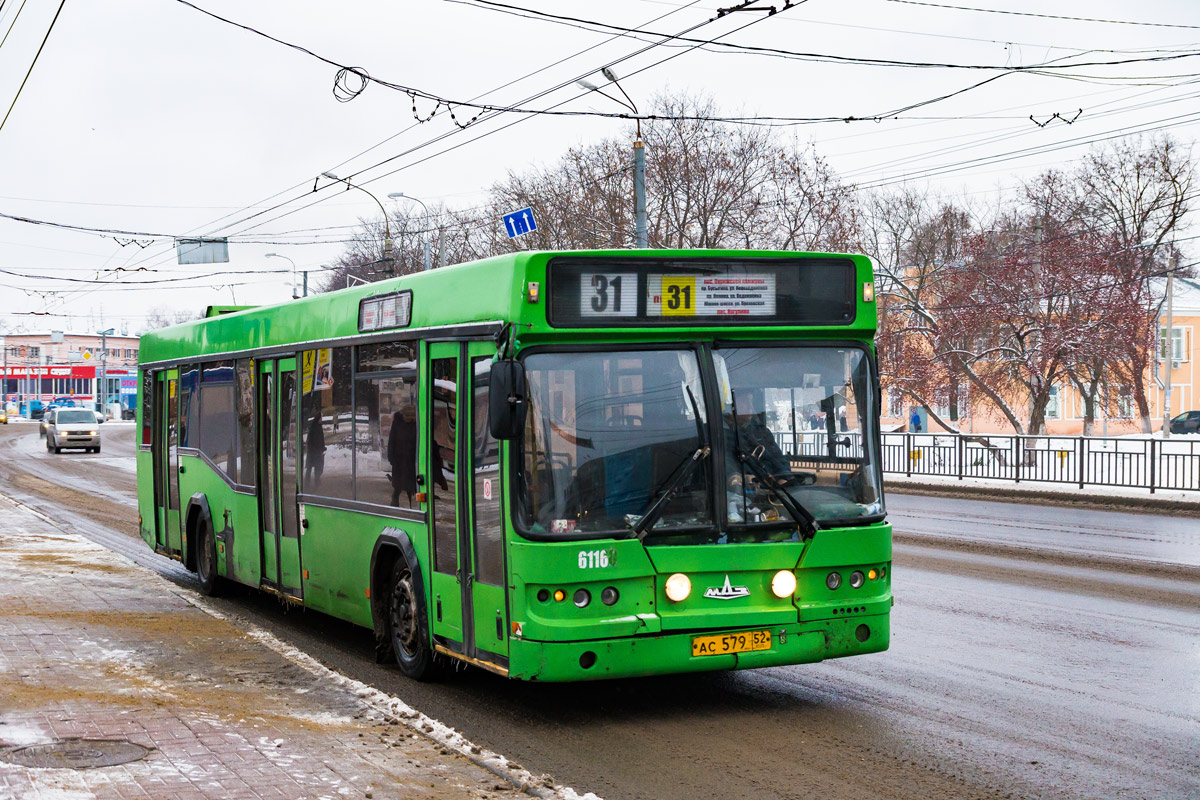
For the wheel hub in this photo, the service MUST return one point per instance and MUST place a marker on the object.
(404, 627)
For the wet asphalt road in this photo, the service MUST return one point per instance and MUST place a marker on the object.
(1036, 652)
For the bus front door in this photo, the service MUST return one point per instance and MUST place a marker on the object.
(485, 536)
(165, 455)
(467, 582)
(275, 406)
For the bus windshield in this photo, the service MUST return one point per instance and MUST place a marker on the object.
(805, 416)
(606, 434)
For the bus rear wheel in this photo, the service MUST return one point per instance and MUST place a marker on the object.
(407, 626)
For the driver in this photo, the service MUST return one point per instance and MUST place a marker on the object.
(756, 439)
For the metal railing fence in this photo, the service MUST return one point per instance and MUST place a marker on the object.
(1147, 463)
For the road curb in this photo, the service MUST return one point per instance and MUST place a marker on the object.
(381, 706)
(1145, 505)
(393, 710)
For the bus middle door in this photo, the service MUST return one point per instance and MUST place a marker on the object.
(277, 447)
(444, 505)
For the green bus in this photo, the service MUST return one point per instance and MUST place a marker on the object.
(555, 466)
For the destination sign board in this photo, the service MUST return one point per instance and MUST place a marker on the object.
(603, 292)
(384, 312)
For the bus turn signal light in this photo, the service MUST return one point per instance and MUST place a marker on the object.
(784, 583)
(872, 574)
(679, 586)
(559, 595)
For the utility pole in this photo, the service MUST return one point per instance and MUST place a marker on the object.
(425, 244)
(1170, 345)
(295, 296)
(639, 156)
(389, 265)
(306, 283)
(639, 189)
(102, 389)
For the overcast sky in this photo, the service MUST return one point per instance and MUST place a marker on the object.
(148, 116)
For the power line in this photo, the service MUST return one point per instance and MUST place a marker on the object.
(491, 115)
(529, 13)
(450, 105)
(35, 60)
(11, 24)
(510, 83)
(1036, 150)
(1045, 16)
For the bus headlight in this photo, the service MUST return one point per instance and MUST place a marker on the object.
(833, 580)
(856, 579)
(679, 586)
(784, 583)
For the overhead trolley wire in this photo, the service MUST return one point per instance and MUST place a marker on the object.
(442, 136)
(1045, 16)
(530, 13)
(660, 17)
(33, 64)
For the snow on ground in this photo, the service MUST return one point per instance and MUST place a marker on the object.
(1066, 489)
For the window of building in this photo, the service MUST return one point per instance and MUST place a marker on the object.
(218, 422)
(327, 423)
(1054, 404)
(1119, 399)
(1176, 348)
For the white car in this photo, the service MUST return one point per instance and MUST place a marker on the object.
(73, 427)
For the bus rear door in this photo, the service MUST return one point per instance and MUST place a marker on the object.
(165, 457)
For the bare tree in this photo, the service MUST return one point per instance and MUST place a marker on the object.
(1138, 193)
(163, 317)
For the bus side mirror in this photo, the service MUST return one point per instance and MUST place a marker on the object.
(506, 400)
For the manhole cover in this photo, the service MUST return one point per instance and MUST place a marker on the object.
(75, 754)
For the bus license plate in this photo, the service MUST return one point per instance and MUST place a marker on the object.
(731, 643)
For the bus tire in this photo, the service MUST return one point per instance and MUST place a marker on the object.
(206, 558)
(407, 626)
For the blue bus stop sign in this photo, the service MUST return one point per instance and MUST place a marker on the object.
(519, 223)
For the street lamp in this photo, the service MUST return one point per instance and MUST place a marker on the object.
(293, 263)
(387, 231)
(639, 153)
(425, 238)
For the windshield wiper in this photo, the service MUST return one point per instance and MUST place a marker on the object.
(671, 485)
(803, 517)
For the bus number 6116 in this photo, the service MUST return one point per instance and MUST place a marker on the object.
(593, 559)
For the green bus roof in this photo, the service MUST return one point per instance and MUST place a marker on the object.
(492, 290)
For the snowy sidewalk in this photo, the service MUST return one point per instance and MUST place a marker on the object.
(93, 647)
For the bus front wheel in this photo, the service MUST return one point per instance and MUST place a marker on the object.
(206, 559)
(407, 627)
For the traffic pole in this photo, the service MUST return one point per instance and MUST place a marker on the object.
(1170, 341)
(639, 192)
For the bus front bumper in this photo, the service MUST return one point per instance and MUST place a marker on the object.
(796, 643)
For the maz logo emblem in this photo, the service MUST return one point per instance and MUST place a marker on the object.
(726, 592)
